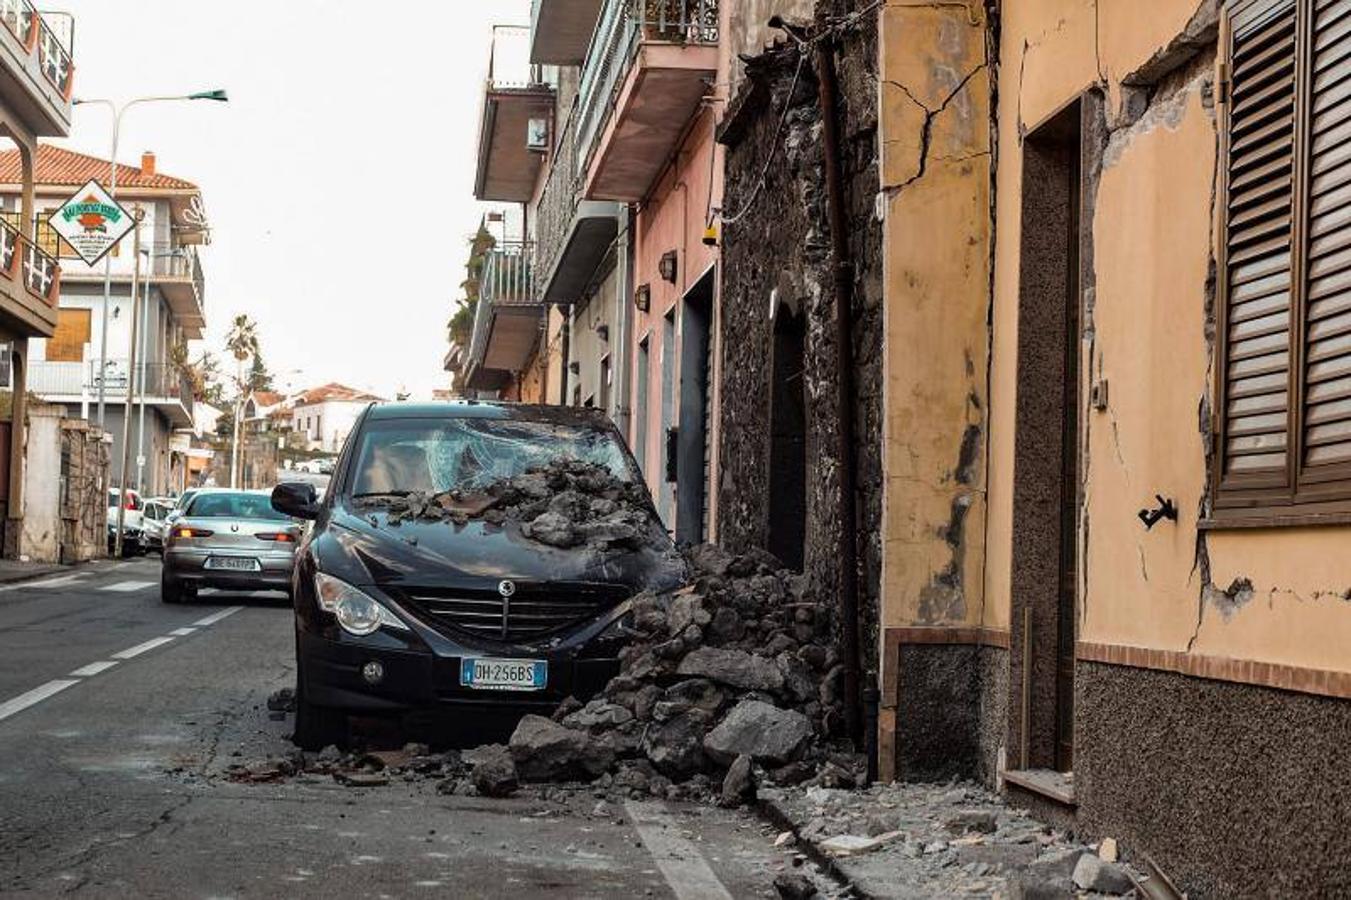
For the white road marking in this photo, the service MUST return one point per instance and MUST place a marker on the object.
(42, 692)
(36, 695)
(94, 668)
(58, 581)
(126, 587)
(142, 648)
(685, 870)
(216, 617)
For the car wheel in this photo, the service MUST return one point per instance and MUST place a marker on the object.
(316, 726)
(170, 589)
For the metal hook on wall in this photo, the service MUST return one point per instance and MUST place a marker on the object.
(1166, 509)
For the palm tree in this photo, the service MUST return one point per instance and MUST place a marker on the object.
(242, 342)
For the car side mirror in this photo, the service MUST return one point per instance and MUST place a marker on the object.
(299, 500)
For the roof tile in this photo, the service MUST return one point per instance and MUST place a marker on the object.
(56, 165)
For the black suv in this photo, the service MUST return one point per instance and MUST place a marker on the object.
(400, 612)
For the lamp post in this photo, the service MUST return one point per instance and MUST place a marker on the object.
(150, 257)
(117, 113)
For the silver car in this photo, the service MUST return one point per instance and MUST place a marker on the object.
(228, 539)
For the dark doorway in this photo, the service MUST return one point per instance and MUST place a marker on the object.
(693, 451)
(1046, 447)
(787, 531)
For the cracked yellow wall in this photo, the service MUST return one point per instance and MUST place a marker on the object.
(1152, 239)
(934, 124)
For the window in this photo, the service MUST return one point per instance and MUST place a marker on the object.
(605, 378)
(640, 404)
(471, 455)
(72, 332)
(1283, 435)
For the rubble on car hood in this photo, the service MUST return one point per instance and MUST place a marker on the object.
(565, 504)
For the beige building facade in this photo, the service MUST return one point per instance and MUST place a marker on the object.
(1115, 522)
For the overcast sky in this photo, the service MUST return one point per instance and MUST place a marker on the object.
(339, 177)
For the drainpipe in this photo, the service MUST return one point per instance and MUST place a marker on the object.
(619, 354)
(843, 271)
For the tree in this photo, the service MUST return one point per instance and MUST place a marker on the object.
(462, 320)
(260, 379)
(242, 342)
(202, 373)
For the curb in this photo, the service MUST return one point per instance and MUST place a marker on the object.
(18, 577)
(776, 817)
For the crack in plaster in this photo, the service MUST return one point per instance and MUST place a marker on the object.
(926, 129)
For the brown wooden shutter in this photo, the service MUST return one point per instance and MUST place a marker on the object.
(1326, 419)
(1258, 255)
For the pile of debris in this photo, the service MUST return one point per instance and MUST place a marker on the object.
(567, 503)
(730, 680)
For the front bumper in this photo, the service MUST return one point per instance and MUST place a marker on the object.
(132, 538)
(188, 565)
(418, 675)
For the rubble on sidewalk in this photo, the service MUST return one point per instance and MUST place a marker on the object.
(943, 840)
(736, 670)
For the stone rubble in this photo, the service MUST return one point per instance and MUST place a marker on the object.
(944, 840)
(729, 681)
(565, 504)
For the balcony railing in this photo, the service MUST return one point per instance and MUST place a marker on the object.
(37, 35)
(23, 261)
(558, 201)
(157, 381)
(509, 63)
(508, 274)
(624, 26)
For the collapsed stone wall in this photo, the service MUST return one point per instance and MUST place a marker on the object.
(780, 249)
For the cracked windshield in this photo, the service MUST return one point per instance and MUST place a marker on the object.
(692, 449)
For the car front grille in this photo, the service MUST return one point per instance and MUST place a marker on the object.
(533, 611)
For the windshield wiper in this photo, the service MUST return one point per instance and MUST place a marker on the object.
(366, 494)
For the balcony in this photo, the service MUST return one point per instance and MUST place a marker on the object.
(649, 66)
(517, 106)
(507, 319)
(37, 71)
(178, 272)
(573, 235)
(163, 385)
(30, 284)
(560, 30)
(175, 268)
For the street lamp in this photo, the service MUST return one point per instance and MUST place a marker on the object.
(117, 112)
(150, 256)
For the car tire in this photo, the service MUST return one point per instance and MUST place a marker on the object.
(316, 726)
(171, 590)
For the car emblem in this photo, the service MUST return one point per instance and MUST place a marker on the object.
(234, 527)
(506, 588)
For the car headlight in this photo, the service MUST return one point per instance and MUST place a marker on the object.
(357, 612)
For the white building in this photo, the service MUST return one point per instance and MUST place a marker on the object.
(325, 415)
(64, 368)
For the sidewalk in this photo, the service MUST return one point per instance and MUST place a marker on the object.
(945, 840)
(12, 570)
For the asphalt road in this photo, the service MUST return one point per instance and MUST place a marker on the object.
(118, 716)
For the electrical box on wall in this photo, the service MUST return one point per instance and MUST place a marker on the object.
(537, 135)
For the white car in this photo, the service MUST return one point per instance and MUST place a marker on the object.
(133, 523)
(155, 522)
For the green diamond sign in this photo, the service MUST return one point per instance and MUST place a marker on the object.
(91, 222)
